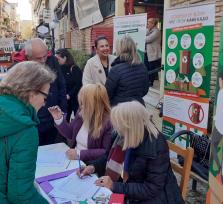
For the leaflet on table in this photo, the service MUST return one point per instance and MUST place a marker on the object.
(50, 158)
(75, 189)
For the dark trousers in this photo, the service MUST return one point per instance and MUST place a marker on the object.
(48, 136)
(71, 106)
(151, 66)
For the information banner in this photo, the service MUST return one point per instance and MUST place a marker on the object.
(215, 193)
(134, 26)
(188, 62)
(87, 13)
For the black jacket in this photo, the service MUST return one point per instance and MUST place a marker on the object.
(57, 96)
(73, 80)
(151, 180)
(127, 82)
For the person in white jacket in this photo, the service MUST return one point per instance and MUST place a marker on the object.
(97, 68)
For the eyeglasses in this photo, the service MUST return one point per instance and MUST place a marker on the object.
(44, 94)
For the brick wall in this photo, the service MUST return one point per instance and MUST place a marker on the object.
(218, 15)
(81, 39)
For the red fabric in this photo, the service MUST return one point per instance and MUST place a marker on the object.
(21, 57)
(116, 198)
(117, 155)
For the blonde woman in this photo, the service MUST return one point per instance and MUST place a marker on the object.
(23, 91)
(91, 129)
(148, 177)
(128, 78)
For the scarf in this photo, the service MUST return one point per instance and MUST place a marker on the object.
(116, 158)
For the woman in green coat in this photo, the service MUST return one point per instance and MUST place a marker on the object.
(22, 93)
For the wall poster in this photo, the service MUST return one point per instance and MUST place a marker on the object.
(188, 62)
(135, 27)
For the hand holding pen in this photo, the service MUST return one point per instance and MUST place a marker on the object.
(85, 171)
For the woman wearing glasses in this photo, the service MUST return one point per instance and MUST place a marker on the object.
(22, 93)
(90, 131)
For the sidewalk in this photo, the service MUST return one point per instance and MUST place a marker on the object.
(193, 197)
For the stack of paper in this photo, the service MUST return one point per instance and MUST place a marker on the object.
(50, 158)
(73, 188)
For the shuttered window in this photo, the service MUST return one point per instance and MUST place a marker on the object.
(107, 7)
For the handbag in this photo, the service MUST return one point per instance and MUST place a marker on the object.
(200, 163)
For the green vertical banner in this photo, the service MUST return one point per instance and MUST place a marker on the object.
(134, 26)
(215, 193)
(188, 62)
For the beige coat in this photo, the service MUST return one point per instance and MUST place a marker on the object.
(153, 41)
(94, 71)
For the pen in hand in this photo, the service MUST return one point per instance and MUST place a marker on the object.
(68, 164)
(86, 171)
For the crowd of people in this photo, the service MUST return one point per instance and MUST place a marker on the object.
(112, 131)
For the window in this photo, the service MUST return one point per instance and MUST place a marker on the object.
(107, 7)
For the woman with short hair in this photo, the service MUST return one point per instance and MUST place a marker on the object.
(73, 78)
(90, 131)
(97, 68)
(23, 91)
(148, 176)
(128, 77)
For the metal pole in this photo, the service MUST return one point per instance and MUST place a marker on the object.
(53, 42)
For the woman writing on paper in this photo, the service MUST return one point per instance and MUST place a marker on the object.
(148, 177)
(90, 131)
(23, 91)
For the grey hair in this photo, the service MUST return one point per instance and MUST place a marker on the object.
(25, 77)
(29, 46)
(126, 50)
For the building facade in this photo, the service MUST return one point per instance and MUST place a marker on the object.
(9, 20)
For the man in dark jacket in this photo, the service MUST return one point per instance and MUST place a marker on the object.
(36, 50)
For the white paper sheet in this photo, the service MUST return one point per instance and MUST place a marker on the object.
(76, 189)
(50, 158)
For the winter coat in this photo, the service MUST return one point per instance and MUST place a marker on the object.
(96, 147)
(73, 80)
(94, 71)
(151, 180)
(57, 96)
(18, 152)
(153, 44)
(127, 82)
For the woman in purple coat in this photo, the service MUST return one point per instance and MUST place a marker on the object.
(91, 129)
